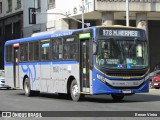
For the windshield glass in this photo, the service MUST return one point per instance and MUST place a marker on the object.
(122, 54)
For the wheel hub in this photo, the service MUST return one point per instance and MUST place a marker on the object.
(26, 88)
(75, 90)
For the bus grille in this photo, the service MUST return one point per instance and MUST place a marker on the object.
(125, 74)
(129, 87)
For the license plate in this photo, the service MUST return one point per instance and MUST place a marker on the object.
(155, 83)
(126, 91)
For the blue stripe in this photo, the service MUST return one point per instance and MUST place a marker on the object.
(8, 64)
(65, 62)
(44, 63)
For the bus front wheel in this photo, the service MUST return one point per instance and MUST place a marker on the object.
(27, 88)
(117, 97)
(74, 90)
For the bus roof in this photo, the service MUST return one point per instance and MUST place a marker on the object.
(47, 32)
(40, 36)
(52, 34)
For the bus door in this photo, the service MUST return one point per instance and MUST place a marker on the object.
(16, 65)
(84, 65)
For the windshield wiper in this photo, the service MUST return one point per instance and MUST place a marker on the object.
(134, 44)
(114, 44)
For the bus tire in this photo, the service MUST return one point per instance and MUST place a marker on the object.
(117, 97)
(74, 91)
(27, 88)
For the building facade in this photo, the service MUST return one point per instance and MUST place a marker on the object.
(53, 15)
(11, 23)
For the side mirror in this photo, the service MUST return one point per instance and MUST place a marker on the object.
(94, 48)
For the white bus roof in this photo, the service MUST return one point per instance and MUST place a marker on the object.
(47, 32)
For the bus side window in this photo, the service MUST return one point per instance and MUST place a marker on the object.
(45, 50)
(70, 49)
(24, 52)
(57, 49)
(9, 53)
(65, 52)
(34, 51)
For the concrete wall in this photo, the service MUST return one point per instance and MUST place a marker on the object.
(40, 18)
(106, 5)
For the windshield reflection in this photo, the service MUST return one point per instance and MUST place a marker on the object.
(122, 54)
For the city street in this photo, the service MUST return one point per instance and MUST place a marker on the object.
(15, 100)
(80, 46)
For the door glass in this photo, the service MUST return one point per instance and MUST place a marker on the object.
(85, 63)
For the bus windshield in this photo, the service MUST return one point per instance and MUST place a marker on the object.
(120, 53)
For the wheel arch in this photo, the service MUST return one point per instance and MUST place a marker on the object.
(69, 81)
(26, 76)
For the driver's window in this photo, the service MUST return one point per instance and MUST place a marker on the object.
(105, 50)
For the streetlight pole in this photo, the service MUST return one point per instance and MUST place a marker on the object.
(82, 14)
(127, 13)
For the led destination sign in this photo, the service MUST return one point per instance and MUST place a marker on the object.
(119, 33)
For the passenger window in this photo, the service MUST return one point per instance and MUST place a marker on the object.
(45, 50)
(24, 52)
(34, 51)
(57, 49)
(70, 49)
(9, 53)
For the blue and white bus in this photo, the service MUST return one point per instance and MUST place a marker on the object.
(109, 60)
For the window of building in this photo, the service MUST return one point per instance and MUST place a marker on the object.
(8, 35)
(9, 53)
(0, 7)
(9, 6)
(45, 50)
(70, 49)
(24, 52)
(34, 51)
(57, 49)
(18, 4)
(51, 4)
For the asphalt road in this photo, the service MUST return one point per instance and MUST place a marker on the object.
(15, 100)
